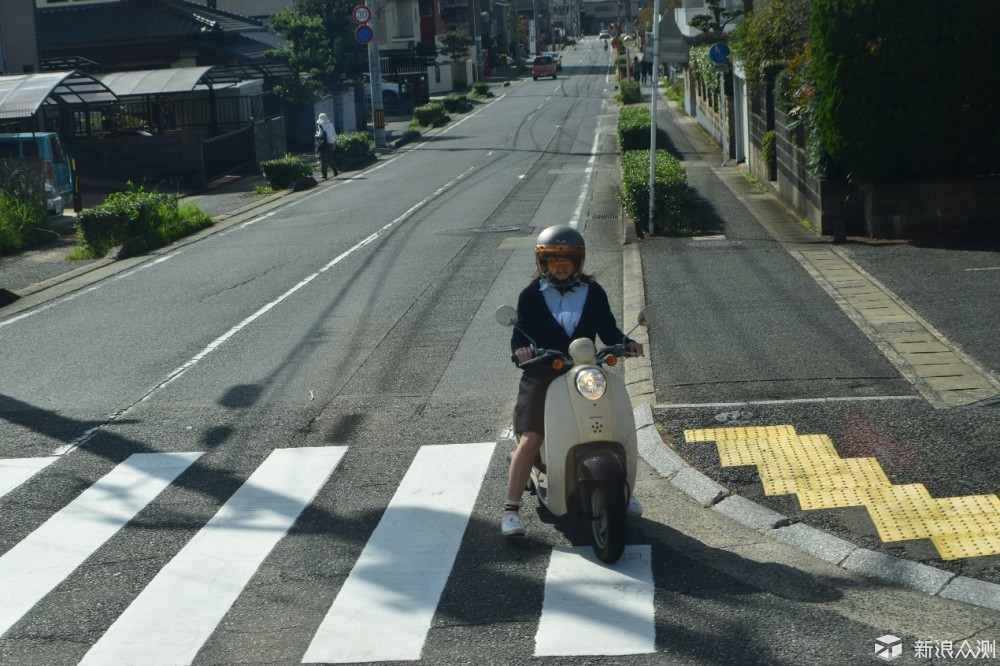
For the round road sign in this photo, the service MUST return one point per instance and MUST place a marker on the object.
(362, 14)
(364, 34)
(718, 53)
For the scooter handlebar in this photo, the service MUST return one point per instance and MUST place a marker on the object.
(603, 354)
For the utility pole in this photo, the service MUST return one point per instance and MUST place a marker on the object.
(375, 76)
(652, 112)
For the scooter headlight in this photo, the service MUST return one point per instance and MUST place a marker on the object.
(591, 383)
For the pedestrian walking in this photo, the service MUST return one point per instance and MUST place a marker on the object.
(326, 141)
(635, 68)
(647, 67)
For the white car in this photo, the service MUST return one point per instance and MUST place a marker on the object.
(391, 92)
(604, 35)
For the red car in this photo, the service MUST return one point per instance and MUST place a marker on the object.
(543, 66)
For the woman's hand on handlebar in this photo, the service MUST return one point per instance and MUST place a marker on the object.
(523, 354)
(634, 348)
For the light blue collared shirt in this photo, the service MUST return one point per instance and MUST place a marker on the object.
(566, 308)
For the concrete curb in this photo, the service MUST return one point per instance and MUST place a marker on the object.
(809, 540)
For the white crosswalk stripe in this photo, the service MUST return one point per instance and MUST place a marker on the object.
(33, 567)
(592, 608)
(16, 471)
(387, 603)
(385, 608)
(177, 612)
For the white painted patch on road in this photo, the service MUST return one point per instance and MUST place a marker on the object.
(794, 401)
(592, 608)
(15, 471)
(385, 608)
(33, 567)
(178, 611)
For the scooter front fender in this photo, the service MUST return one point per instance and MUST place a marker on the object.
(604, 465)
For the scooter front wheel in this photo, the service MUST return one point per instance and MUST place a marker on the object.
(607, 524)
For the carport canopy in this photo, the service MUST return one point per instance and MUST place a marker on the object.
(185, 79)
(22, 95)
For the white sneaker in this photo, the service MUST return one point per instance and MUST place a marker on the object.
(633, 509)
(511, 525)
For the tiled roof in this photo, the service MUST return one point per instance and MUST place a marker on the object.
(151, 20)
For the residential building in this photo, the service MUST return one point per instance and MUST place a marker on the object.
(18, 44)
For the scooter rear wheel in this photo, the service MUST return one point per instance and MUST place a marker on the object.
(607, 527)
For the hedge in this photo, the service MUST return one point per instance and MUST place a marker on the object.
(670, 205)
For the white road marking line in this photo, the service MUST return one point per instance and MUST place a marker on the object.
(385, 608)
(218, 342)
(794, 401)
(33, 567)
(16, 471)
(178, 611)
(592, 608)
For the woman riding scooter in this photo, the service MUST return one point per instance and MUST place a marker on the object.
(560, 304)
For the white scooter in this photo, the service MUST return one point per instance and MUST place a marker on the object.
(587, 463)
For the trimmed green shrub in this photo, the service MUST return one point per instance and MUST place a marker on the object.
(459, 103)
(138, 220)
(430, 114)
(353, 148)
(633, 129)
(629, 92)
(670, 204)
(285, 171)
(481, 89)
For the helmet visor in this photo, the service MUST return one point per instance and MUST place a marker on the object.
(555, 258)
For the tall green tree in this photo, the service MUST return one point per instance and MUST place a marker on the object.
(456, 44)
(714, 23)
(770, 37)
(320, 45)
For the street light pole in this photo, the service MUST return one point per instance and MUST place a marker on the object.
(652, 113)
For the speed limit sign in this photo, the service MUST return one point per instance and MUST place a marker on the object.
(362, 14)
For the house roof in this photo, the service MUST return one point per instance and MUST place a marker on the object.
(64, 28)
(22, 95)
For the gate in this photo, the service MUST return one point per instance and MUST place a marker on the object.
(227, 153)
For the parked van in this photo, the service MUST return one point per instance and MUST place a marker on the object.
(55, 163)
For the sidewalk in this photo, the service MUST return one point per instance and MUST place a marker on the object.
(866, 302)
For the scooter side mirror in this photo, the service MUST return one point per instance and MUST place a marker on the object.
(646, 316)
(506, 315)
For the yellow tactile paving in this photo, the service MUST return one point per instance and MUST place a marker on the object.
(953, 548)
(810, 467)
(749, 451)
(757, 432)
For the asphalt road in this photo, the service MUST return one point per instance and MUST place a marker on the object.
(355, 328)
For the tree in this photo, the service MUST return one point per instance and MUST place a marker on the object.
(320, 45)
(770, 37)
(456, 44)
(907, 95)
(715, 23)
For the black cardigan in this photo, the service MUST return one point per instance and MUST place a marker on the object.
(535, 319)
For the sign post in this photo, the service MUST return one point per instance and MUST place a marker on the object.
(652, 115)
(366, 34)
(719, 54)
